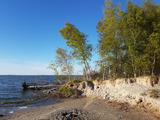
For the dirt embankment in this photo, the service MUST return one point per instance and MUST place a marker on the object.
(143, 91)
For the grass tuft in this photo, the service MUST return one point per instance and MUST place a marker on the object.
(153, 93)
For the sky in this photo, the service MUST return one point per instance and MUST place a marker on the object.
(29, 31)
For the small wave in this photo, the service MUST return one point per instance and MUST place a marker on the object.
(11, 112)
(23, 107)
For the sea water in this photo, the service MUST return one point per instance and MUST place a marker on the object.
(11, 92)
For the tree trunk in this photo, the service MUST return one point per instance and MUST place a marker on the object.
(133, 67)
(154, 61)
(104, 74)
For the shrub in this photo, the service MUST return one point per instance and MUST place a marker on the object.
(67, 92)
(77, 81)
(153, 93)
(73, 82)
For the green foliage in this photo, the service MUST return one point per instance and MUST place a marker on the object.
(104, 69)
(111, 44)
(129, 42)
(63, 62)
(76, 81)
(138, 31)
(67, 92)
(54, 67)
(78, 42)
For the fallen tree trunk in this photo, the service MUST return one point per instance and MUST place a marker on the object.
(39, 87)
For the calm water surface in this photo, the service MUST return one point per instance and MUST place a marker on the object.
(11, 91)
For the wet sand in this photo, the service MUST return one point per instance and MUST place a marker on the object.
(97, 109)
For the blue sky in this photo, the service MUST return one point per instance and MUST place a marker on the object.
(29, 31)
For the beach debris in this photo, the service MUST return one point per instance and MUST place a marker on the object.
(30, 86)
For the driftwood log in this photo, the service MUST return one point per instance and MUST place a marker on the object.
(38, 87)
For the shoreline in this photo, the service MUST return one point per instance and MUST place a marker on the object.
(96, 109)
(9, 109)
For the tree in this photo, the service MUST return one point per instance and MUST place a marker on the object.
(130, 40)
(152, 15)
(63, 61)
(134, 34)
(104, 68)
(141, 33)
(78, 42)
(110, 44)
(54, 67)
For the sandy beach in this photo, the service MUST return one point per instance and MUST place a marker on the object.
(97, 109)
